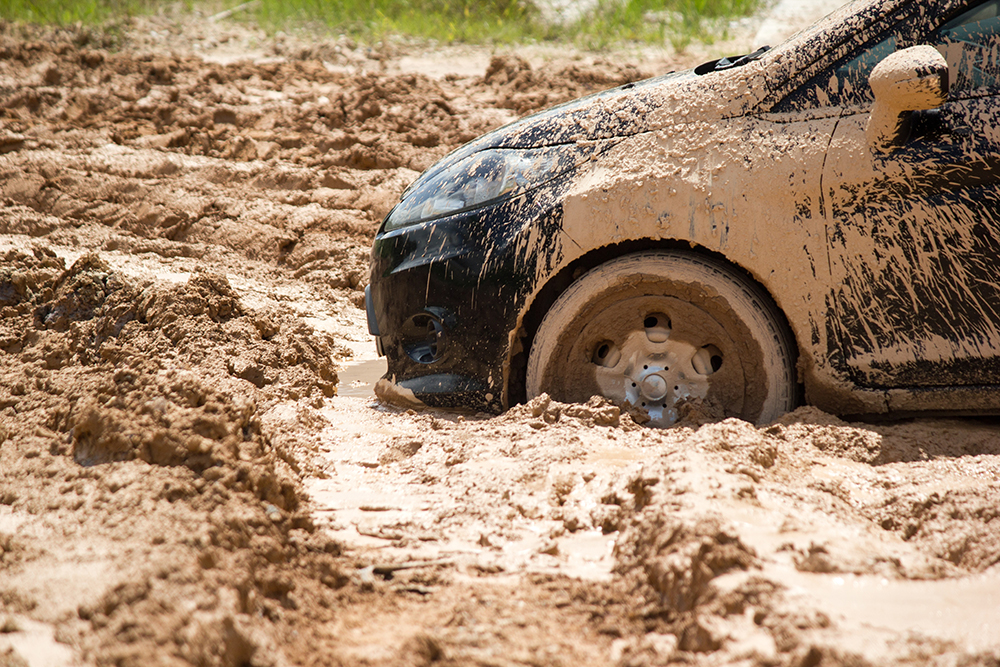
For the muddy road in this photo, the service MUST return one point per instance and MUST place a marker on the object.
(193, 469)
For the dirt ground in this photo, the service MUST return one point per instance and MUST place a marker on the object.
(186, 480)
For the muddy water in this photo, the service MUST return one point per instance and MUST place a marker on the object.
(965, 611)
(358, 379)
(36, 644)
(378, 492)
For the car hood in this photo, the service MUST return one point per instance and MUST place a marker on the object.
(618, 112)
(610, 114)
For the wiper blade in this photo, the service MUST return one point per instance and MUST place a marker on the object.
(730, 62)
(750, 57)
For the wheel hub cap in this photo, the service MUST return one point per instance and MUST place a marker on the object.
(654, 387)
(653, 370)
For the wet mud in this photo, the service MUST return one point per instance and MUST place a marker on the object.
(194, 469)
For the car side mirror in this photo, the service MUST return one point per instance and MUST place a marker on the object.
(914, 79)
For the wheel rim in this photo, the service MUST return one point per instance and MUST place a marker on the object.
(652, 355)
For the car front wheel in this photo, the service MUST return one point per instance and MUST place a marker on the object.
(662, 332)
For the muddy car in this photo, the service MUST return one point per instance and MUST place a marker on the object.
(816, 221)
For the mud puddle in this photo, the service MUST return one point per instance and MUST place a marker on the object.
(381, 491)
(965, 612)
(358, 379)
(35, 643)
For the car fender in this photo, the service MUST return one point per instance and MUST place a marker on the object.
(746, 189)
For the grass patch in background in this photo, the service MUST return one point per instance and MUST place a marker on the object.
(511, 21)
(678, 22)
(602, 24)
(474, 21)
(70, 12)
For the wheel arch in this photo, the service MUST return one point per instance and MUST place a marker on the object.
(545, 297)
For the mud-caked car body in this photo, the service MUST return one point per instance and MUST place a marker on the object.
(820, 217)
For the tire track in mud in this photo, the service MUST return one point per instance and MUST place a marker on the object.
(717, 544)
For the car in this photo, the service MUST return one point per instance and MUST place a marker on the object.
(812, 222)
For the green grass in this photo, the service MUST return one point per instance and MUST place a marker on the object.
(476, 21)
(442, 20)
(68, 12)
(657, 21)
(506, 21)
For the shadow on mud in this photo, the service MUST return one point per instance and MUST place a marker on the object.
(881, 443)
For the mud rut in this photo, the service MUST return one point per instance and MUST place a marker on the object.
(184, 248)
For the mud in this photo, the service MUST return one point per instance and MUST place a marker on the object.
(186, 477)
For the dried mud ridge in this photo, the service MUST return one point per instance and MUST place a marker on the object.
(183, 252)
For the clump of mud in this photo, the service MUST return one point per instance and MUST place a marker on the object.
(164, 374)
(542, 410)
(138, 408)
(679, 560)
(698, 590)
(714, 538)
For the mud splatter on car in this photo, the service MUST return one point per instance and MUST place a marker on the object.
(751, 233)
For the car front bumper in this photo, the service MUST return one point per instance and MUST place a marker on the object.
(446, 295)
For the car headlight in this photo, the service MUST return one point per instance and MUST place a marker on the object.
(484, 178)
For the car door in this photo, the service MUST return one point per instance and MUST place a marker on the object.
(914, 234)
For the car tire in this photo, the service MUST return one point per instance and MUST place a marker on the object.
(662, 333)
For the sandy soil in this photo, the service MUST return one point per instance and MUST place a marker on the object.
(186, 479)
